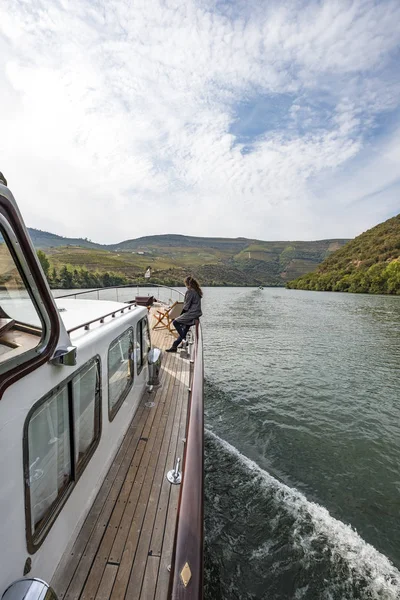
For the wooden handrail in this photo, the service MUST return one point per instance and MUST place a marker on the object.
(187, 569)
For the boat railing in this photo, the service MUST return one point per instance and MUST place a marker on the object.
(101, 319)
(187, 570)
(126, 293)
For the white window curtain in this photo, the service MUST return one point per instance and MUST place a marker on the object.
(49, 454)
(139, 347)
(146, 340)
(119, 368)
(84, 387)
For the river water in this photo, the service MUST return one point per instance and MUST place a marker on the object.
(302, 445)
(302, 462)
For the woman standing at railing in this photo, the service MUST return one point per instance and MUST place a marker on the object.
(190, 312)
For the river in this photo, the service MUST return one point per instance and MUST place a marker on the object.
(302, 444)
(302, 413)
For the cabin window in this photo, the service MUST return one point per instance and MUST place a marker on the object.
(142, 344)
(20, 323)
(49, 442)
(86, 401)
(120, 371)
(146, 343)
(64, 425)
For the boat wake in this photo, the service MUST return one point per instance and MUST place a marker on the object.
(266, 540)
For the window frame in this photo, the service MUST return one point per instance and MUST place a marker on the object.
(139, 323)
(81, 466)
(112, 411)
(139, 340)
(18, 243)
(36, 539)
(6, 232)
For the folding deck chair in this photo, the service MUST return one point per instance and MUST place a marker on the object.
(164, 318)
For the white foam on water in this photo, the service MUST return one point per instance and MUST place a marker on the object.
(300, 593)
(365, 561)
(262, 551)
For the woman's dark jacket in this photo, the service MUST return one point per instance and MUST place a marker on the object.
(191, 308)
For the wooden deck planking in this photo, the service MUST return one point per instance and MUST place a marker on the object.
(69, 563)
(119, 544)
(126, 541)
(81, 573)
(174, 451)
(144, 547)
(133, 530)
(134, 475)
(107, 581)
(128, 497)
(137, 528)
(150, 577)
(169, 510)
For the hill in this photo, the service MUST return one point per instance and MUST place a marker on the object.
(368, 264)
(215, 261)
(182, 241)
(45, 239)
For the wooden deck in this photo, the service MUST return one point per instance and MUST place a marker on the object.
(124, 548)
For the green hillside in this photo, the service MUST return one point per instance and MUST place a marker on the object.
(45, 239)
(215, 261)
(368, 264)
(182, 241)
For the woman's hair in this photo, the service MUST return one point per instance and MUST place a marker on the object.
(192, 283)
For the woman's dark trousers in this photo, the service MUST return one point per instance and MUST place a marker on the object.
(182, 331)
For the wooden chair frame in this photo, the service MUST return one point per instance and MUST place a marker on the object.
(164, 318)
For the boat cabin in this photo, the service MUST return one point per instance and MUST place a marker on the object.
(82, 434)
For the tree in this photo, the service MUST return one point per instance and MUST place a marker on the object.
(392, 273)
(368, 264)
(77, 278)
(106, 280)
(54, 280)
(66, 279)
(44, 261)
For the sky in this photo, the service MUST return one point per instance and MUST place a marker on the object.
(259, 119)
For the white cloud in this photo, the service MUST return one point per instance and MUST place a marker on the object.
(116, 117)
(367, 185)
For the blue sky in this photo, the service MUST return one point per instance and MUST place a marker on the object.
(263, 119)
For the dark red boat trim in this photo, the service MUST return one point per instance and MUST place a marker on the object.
(189, 534)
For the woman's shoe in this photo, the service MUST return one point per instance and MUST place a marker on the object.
(172, 349)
